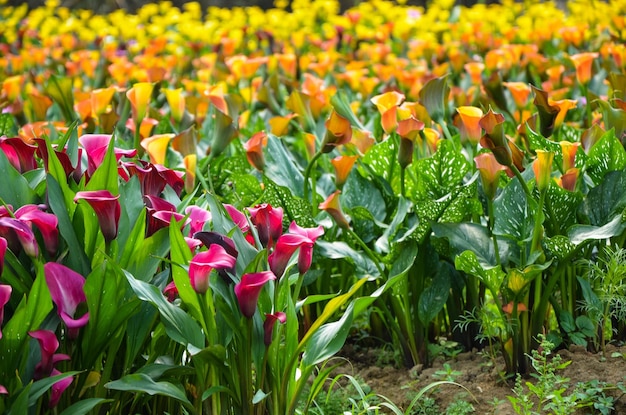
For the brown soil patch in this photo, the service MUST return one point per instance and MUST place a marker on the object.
(478, 374)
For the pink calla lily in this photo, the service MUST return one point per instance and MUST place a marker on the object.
(5, 295)
(297, 238)
(3, 250)
(48, 344)
(268, 325)
(170, 291)
(249, 289)
(20, 154)
(204, 262)
(268, 221)
(3, 390)
(58, 388)
(10, 227)
(96, 146)
(47, 223)
(198, 217)
(66, 290)
(238, 218)
(107, 208)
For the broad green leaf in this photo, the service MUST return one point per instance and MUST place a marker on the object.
(106, 176)
(85, 406)
(566, 321)
(281, 168)
(138, 329)
(434, 96)
(472, 237)
(7, 125)
(492, 276)
(20, 404)
(558, 247)
(179, 326)
(363, 223)
(365, 267)
(29, 315)
(147, 254)
(15, 190)
(358, 191)
(434, 297)
(377, 160)
(562, 207)
(41, 386)
(586, 326)
(592, 301)
(440, 174)
(341, 104)
(606, 155)
(142, 383)
(614, 118)
(581, 233)
(514, 214)
(132, 208)
(605, 200)
(328, 339)
(109, 307)
(383, 242)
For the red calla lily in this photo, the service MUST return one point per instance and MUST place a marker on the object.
(66, 290)
(204, 262)
(3, 250)
(5, 295)
(107, 208)
(268, 325)
(47, 223)
(48, 344)
(20, 155)
(268, 222)
(249, 289)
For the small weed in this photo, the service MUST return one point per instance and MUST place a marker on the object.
(447, 373)
(460, 407)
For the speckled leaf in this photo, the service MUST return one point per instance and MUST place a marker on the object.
(378, 156)
(559, 247)
(7, 125)
(440, 174)
(363, 223)
(606, 155)
(581, 233)
(472, 237)
(562, 206)
(295, 208)
(606, 200)
(514, 214)
(358, 191)
(281, 168)
(492, 276)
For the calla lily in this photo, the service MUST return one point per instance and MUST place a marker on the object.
(96, 146)
(139, 96)
(204, 262)
(519, 91)
(214, 238)
(338, 132)
(470, 123)
(249, 289)
(66, 290)
(494, 138)
(387, 105)
(285, 247)
(46, 223)
(48, 343)
(107, 208)
(100, 100)
(3, 390)
(268, 325)
(20, 154)
(237, 217)
(268, 222)
(568, 180)
(583, 63)
(170, 291)
(489, 170)
(58, 388)
(5, 295)
(343, 167)
(543, 169)
(190, 161)
(176, 101)
(11, 227)
(156, 147)
(198, 217)
(3, 250)
(333, 207)
(569, 151)
(254, 150)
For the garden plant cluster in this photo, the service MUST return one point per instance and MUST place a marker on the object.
(198, 206)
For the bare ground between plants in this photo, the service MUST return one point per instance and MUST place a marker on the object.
(478, 374)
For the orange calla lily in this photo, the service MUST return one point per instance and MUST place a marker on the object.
(582, 63)
(387, 105)
(280, 125)
(564, 105)
(519, 91)
(254, 150)
(100, 100)
(470, 123)
(338, 131)
(489, 170)
(156, 147)
(543, 169)
(140, 96)
(568, 180)
(475, 71)
(569, 150)
(332, 206)
(343, 167)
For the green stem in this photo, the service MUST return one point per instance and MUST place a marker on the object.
(402, 191)
(491, 225)
(373, 256)
(517, 174)
(307, 175)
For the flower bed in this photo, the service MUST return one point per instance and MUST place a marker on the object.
(198, 212)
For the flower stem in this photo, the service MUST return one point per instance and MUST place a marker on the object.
(307, 175)
(373, 256)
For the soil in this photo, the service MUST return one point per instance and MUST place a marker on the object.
(481, 375)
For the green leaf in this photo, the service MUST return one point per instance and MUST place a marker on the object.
(181, 256)
(472, 237)
(15, 190)
(7, 125)
(567, 321)
(41, 386)
(109, 307)
(142, 383)
(281, 168)
(434, 297)
(558, 247)
(60, 90)
(614, 118)
(294, 207)
(606, 155)
(358, 191)
(514, 214)
(440, 174)
(563, 206)
(341, 104)
(492, 276)
(179, 326)
(581, 233)
(328, 339)
(20, 404)
(605, 200)
(586, 326)
(106, 176)
(383, 242)
(85, 406)
(434, 96)
(29, 315)
(365, 267)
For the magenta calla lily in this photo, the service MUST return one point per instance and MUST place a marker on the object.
(48, 344)
(269, 223)
(47, 223)
(5, 295)
(249, 289)
(96, 146)
(66, 290)
(58, 388)
(170, 291)
(107, 208)
(268, 325)
(204, 262)
(297, 238)
(198, 217)
(3, 250)
(20, 154)
(10, 227)
(3, 390)
(238, 218)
